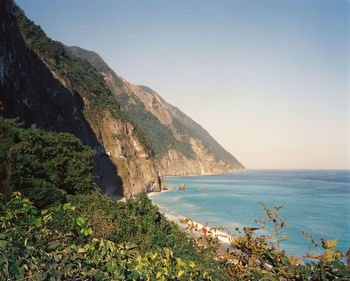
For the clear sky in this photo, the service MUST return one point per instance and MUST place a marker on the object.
(269, 79)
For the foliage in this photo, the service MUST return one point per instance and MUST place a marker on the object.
(92, 57)
(31, 248)
(139, 222)
(276, 221)
(70, 231)
(67, 230)
(329, 255)
(80, 77)
(48, 164)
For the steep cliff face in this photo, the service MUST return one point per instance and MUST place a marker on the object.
(138, 171)
(181, 145)
(48, 88)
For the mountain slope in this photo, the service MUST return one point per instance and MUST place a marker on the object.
(181, 145)
(47, 87)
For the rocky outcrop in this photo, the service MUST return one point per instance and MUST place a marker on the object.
(182, 146)
(138, 171)
(33, 89)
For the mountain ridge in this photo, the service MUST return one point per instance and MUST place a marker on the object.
(46, 87)
(182, 146)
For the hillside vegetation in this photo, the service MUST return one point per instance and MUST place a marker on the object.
(47, 87)
(161, 136)
(166, 126)
(78, 75)
(55, 225)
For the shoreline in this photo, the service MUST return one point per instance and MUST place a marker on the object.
(152, 193)
(224, 238)
(264, 185)
(207, 174)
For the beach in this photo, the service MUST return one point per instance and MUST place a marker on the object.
(224, 238)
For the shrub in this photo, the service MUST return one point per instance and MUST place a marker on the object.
(43, 162)
(32, 248)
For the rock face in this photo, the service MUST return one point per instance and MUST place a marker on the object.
(33, 88)
(181, 145)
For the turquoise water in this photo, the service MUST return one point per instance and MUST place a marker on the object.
(316, 201)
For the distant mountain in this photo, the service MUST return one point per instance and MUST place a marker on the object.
(47, 87)
(182, 146)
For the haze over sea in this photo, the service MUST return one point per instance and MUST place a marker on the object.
(316, 201)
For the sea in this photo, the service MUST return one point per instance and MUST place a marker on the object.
(314, 201)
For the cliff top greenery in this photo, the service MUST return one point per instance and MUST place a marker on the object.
(82, 78)
(161, 136)
(92, 57)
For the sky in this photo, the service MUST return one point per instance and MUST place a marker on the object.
(268, 79)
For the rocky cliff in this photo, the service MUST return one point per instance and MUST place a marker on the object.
(181, 145)
(47, 87)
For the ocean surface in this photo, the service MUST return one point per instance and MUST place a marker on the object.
(315, 201)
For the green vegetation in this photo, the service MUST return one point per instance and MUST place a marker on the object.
(80, 76)
(44, 166)
(54, 225)
(56, 244)
(161, 136)
(94, 59)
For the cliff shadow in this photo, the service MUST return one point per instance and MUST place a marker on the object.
(30, 92)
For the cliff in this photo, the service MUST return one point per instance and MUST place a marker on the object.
(46, 87)
(181, 145)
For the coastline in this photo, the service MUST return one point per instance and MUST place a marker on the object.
(152, 193)
(232, 200)
(224, 238)
(208, 174)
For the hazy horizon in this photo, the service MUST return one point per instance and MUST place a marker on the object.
(267, 79)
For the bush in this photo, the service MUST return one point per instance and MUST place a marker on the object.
(32, 248)
(139, 222)
(43, 162)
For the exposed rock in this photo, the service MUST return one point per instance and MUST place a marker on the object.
(191, 150)
(182, 187)
(43, 99)
(164, 185)
(204, 188)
